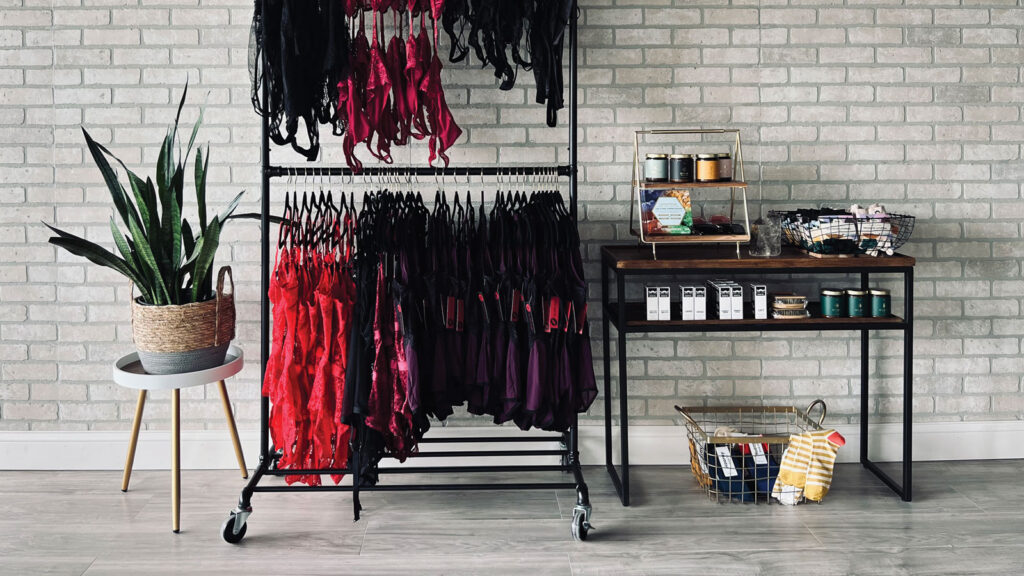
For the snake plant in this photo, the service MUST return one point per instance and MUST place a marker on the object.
(165, 258)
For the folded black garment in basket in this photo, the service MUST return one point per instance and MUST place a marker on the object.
(726, 477)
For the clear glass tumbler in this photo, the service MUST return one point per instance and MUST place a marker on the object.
(766, 236)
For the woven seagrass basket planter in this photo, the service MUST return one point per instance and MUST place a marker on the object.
(185, 338)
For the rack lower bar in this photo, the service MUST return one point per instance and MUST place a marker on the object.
(474, 440)
(560, 170)
(485, 453)
(428, 470)
(420, 487)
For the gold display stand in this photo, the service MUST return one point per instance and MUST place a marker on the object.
(738, 182)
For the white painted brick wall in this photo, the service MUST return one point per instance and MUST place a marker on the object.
(916, 105)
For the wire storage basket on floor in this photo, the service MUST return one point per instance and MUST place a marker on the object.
(735, 451)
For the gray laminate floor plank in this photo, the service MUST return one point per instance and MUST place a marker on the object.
(965, 520)
(909, 562)
(328, 565)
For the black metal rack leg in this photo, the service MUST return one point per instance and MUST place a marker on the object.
(904, 487)
(908, 385)
(621, 480)
(607, 358)
(865, 402)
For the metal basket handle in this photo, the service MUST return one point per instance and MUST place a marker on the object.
(682, 412)
(824, 410)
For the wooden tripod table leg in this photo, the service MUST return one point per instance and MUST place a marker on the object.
(226, 402)
(136, 424)
(176, 460)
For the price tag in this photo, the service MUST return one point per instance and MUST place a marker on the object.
(725, 463)
(757, 450)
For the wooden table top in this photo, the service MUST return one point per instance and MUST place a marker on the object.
(723, 257)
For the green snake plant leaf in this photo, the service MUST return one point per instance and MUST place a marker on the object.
(117, 193)
(195, 131)
(181, 104)
(206, 249)
(122, 245)
(151, 269)
(201, 170)
(156, 238)
(232, 206)
(164, 163)
(188, 238)
(147, 209)
(94, 253)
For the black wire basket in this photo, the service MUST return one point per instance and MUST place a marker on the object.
(736, 451)
(842, 234)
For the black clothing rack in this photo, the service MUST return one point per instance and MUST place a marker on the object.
(234, 527)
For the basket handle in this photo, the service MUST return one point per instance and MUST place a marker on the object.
(682, 412)
(824, 410)
(224, 270)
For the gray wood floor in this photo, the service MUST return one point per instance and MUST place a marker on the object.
(965, 520)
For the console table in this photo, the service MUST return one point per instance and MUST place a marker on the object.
(624, 261)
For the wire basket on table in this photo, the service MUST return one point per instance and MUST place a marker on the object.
(845, 234)
(742, 466)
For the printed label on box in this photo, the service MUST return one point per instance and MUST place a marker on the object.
(664, 303)
(652, 303)
(687, 292)
(737, 302)
(700, 303)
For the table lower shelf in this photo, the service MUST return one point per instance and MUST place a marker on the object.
(636, 313)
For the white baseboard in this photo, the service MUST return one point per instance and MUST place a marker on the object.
(648, 445)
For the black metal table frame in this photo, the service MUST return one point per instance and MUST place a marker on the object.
(621, 480)
(568, 449)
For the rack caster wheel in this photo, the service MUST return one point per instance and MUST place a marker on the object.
(580, 525)
(228, 530)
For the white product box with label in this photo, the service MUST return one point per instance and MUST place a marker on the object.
(687, 304)
(759, 301)
(700, 303)
(653, 303)
(664, 303)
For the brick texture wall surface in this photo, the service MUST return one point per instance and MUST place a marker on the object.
(914, 103)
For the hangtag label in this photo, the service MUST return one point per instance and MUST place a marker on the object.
(725, 463)
(553, 306)
(483, 306)
(757, 451)
(449, 317)
(528, 316)
(497, 298)
(460, 317)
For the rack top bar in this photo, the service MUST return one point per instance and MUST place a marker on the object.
(534, 170)
(692, 131)
(632, 257)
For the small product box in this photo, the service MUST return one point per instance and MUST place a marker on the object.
(737, 301)
(653, 302)
(664, 303)
(721, 299)
(687, 304)
(759, 301)
(700, 303)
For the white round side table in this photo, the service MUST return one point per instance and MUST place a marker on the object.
(128, 372)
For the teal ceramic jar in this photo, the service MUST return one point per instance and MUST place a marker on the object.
(855, 300)
(881, 303)
(832, 303)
